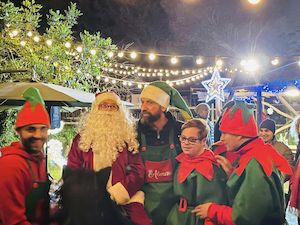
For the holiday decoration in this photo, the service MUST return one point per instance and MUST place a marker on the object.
(215, 86)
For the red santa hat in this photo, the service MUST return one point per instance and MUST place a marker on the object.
(238, 119)
(33, 111)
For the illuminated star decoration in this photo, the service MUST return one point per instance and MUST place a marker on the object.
(215, 86)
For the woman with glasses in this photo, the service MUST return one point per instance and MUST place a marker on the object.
(198, 178)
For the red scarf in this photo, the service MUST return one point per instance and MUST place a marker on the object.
(202, 163)
(265, 155)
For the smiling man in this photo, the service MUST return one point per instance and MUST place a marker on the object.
(24, 185)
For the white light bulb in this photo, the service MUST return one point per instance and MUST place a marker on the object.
(152, 56)
(29, 34)
(219, 62)
(68, 44)
(253, 2)
(15, 32)
(110, 54)
(120, 54)
(49, 42)
(174, 60)
(93, 51)
(199, 61)
(36, 38)
(23, 43)
(133, 55)
(79, 48)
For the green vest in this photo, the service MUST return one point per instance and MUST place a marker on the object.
(37, 201)
(159, 197)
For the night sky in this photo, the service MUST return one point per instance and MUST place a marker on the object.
(210, 28)
(204, 27)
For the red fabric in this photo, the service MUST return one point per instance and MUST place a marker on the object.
(266, 156)
(161, 171)
(127, 169)
(220, 214)
(295, 186)
(236, 124)
(221, 149)
(16, 182)
(203, 164)
(28, 115)
(140, 218)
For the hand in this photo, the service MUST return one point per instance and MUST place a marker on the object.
(202, 210)
(226, 165)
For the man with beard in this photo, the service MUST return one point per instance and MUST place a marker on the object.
(24, 185)
(158, 134)
(107, 138)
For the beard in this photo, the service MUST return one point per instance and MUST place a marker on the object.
(105, 133)
(149, 118)
(29, 146)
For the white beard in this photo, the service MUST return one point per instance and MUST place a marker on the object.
(106, 133)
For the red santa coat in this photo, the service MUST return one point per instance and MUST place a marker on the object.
(127, 178)
(16, 182)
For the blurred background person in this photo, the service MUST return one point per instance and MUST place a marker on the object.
(202, 110)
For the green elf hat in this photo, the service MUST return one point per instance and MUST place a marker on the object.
(165, 95)
(33, 111)
(238, 119)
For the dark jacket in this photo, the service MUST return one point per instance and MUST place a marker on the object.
(155, 138)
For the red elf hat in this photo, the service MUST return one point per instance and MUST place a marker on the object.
(33, 111)
(238, 119)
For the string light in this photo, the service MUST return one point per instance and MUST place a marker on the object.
(152, 56)
(49, 42)
(199, 61)
(79, 48)
(23, 43)
(68, 44)
(174, 60)
(120, 54)
(110, 54)
(133, 55)
(29, 34)
(36, 38)
(275, 62)
(93, 52)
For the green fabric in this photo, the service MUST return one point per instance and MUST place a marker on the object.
(176, 99)
(159, 197)
(258, 199)
(36, 196)
(196, 189)
(33, 96)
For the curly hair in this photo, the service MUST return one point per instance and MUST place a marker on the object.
(107, 133)
(294, 129)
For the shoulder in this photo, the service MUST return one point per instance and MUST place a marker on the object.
(11, 165)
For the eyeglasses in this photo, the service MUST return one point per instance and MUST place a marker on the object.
(190, 140)
(107, 107)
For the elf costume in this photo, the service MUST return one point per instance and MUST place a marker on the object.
(196, 181)
(255, 186)
(24, 185)
(159, 150)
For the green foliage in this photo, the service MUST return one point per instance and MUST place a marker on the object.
(7, 123)
(65, 136)
(23, 47)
